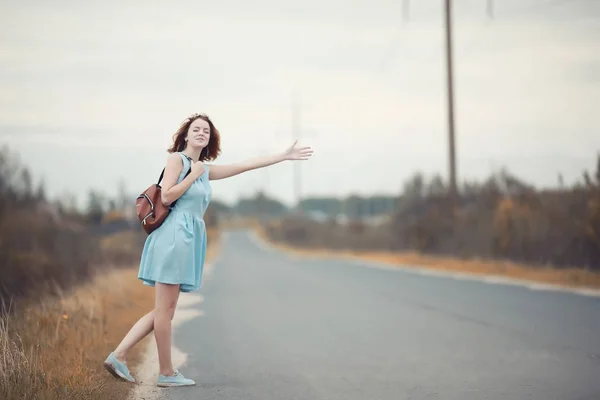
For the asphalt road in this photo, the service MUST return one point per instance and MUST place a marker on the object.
(276, 327)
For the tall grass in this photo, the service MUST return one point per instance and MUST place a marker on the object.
(54, 349)
(52, 345)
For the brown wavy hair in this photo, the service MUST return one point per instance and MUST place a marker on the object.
(214, 142)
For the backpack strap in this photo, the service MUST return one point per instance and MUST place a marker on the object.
(186, 174)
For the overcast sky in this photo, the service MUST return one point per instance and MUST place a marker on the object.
(98, 87)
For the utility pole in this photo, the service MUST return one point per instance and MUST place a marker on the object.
(296, 129)
(451, 144)
(490, 9)
(405, 11)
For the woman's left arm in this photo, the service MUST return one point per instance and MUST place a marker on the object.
(225, 171)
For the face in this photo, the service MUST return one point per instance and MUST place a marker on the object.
(198, 134)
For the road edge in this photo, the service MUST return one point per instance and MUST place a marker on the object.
(432, 271)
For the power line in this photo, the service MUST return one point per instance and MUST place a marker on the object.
(491, 13)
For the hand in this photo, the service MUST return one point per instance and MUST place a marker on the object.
(197, 168)
(297, 153)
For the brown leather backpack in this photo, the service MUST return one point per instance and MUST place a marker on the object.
(149, 206)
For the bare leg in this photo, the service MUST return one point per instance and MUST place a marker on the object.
(164, 308)
(140, 330)
(142, 327)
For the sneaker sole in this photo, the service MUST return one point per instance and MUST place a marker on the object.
(114, 372)
(175, 384)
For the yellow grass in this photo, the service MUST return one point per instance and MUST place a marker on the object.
(55, 349)
(570, 277)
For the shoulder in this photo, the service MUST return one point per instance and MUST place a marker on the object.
(174, 160)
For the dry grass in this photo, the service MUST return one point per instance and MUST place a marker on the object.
(570, 277)
(55, 349)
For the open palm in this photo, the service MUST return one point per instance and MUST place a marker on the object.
(298, 153)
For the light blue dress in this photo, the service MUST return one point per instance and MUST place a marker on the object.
(175, 251)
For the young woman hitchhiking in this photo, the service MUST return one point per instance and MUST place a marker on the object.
(172, 259)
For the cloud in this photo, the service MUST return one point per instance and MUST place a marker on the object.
(107, 76)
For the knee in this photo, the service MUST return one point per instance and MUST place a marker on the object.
(165, 311)
(170, 312)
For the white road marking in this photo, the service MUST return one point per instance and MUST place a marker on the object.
(207, 272)
(258, 241)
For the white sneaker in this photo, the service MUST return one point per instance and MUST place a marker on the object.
(174, 380)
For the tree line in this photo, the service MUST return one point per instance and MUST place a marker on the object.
(49, 245)
(502, 217)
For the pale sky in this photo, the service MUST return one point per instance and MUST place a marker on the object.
(92, 91)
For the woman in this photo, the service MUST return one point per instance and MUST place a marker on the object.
(172, 259)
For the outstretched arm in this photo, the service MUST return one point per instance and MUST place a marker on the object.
(228, 170)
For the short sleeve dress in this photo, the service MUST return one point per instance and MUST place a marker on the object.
(175, 252)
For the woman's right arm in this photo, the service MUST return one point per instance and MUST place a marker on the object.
(170, 189)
